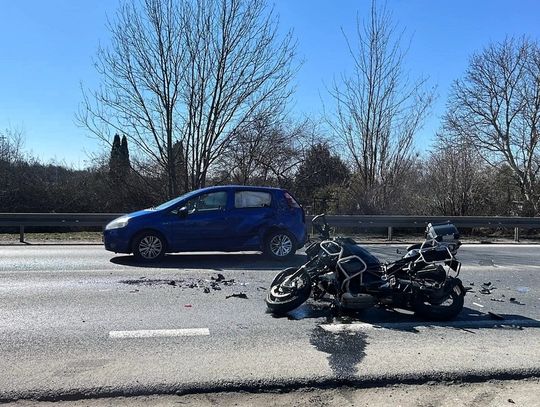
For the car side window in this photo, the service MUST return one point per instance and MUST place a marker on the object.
(252, 199)
(207, 202)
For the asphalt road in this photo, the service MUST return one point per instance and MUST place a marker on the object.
(77, 321)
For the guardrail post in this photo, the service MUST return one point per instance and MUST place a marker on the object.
(21, 234)
(516, 234)
(390, 230)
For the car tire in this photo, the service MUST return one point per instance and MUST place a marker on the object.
(149, 247)
(279, 245)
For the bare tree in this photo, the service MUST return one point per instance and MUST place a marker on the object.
(264, 151)
(189, 72)
(11, 143)
(497, 107)
(378, 109)
(455, 179)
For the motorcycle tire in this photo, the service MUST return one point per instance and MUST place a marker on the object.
(439, 312)
(281, 300)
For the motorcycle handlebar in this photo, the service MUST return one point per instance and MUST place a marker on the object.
(323, 230)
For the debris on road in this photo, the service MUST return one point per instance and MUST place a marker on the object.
(215, 286)
(497, 299)
(522, 290)
(213, 283)
(220, 277)
(237, 295)
(514, 301)
(478, 305)
(188, 306)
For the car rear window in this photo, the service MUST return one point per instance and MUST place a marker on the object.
(252, 199)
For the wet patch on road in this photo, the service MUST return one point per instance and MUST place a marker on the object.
(345, 349)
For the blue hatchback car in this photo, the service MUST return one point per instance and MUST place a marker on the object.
(225, 218)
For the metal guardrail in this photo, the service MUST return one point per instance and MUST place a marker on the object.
(398, 221)
(23, 220)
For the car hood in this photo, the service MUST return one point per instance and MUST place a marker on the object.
(139, 214)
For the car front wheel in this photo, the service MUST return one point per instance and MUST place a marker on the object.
(149, 247)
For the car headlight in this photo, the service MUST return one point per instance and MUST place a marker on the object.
(117, 223)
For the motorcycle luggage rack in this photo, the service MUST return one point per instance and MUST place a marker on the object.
(435, 244)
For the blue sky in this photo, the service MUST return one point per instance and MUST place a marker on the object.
(47, 49)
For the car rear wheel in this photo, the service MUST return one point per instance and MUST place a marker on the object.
(280, 245)
(149, 247)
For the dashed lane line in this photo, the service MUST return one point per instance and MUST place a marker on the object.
(159, 333)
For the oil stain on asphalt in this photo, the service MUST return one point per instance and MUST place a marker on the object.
(345, 349)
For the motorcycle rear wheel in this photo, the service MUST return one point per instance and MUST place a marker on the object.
(441, 311)
(282, 298)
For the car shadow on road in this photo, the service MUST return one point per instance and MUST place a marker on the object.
(214, 261)
(468, 320)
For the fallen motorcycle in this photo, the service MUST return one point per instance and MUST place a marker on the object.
(425, 280)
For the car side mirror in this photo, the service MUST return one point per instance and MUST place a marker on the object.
(183, 212)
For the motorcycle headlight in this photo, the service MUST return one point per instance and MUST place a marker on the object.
(117, 223)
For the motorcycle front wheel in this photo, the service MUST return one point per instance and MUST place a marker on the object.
(441, 309)
(285, 294)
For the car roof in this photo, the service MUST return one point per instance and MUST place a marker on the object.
(242, 187)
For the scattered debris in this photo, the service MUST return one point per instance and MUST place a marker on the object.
(485, 290)
(261, 288)
(511, 401)
(514, 301)
(188, 306)
(522, 290)
(471, 283)
(497, 299)
(478, 305)
(213, 283)
(237, 295)
(487, 284)
(495, 316)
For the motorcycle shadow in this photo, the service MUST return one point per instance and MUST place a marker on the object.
(213, 261)
(468, 320)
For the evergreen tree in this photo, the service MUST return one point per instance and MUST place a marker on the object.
(119, 164)
(124, 156)
(114, 161)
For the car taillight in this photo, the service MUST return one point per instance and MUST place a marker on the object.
(291, 202)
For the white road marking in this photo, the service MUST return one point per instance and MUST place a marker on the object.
(157, 333)
(362, 326)
(499, 245)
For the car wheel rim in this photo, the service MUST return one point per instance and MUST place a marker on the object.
(150, 247)
(281, 245)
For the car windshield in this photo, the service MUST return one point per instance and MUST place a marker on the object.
(173, 202)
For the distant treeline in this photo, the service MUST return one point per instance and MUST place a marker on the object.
(447, 181)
